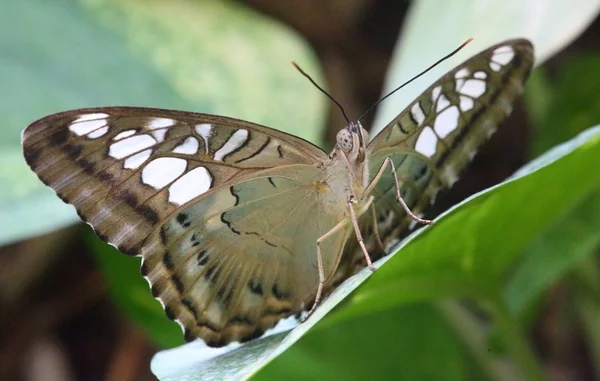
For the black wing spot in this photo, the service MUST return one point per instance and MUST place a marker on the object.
(59, 137)
(276, 292)
(183, 220)
(86, 165)
(144, 270)
(129, 197)
(72, 150)
(148, 213)
(240, 320)
(254, 335)
(209, 272)
(195, 239)
(202, 258)
(280, 152)
(131, 251)
(255, 287)
(168, 261)
(272, 182)
(188, 336)
(155, 291)
(169, 312)
(163, 235)
(105, 176)
(178, 283)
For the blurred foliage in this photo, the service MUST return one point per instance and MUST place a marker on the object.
(130, 53)
(565, 103)
(503, 250)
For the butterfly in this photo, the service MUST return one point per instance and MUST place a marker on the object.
(240, 225)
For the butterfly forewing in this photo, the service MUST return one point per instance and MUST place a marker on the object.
(436, 136)
(127, 169)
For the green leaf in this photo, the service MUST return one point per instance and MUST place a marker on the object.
(212, 57)
(466, 253)
(560, 249)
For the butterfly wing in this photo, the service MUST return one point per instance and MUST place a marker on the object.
(232, 264)
(436, 136)
(125, 169)
(190, 193)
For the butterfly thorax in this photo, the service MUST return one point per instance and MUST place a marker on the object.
(346, 170)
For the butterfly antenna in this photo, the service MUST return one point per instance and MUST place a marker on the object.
(323, 91)
(416, 76)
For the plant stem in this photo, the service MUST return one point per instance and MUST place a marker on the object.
(474, 336)
(515, 341)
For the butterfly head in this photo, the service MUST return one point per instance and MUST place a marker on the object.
(352, 140)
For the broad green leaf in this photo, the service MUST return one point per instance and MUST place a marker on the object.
(466, 253)
(435, 28)
(560, 249)
(212, 57)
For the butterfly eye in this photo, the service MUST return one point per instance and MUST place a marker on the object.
(344, 140)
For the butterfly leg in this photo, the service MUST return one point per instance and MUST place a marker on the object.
(378, 175)
(376, 228)
(359, 238)
(320, 268)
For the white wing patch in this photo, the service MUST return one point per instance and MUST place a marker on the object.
(503, 55)
(460, 77)
(204, 130)
(131, 145)
(234, 142)
(426, 142)
(435, 93)
(417, 113)
(443, 102)
(159, 135)
(163, 170)
(188, 147)
(189, 186)
(473, 88)
(124, 134)
(466, 103)
(86, 126)
(135, 161)
(446, 122)
(157, 123)
(98, 133)
(84, 118)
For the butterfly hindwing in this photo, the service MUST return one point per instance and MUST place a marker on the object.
(227, 272)
(436, 136)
